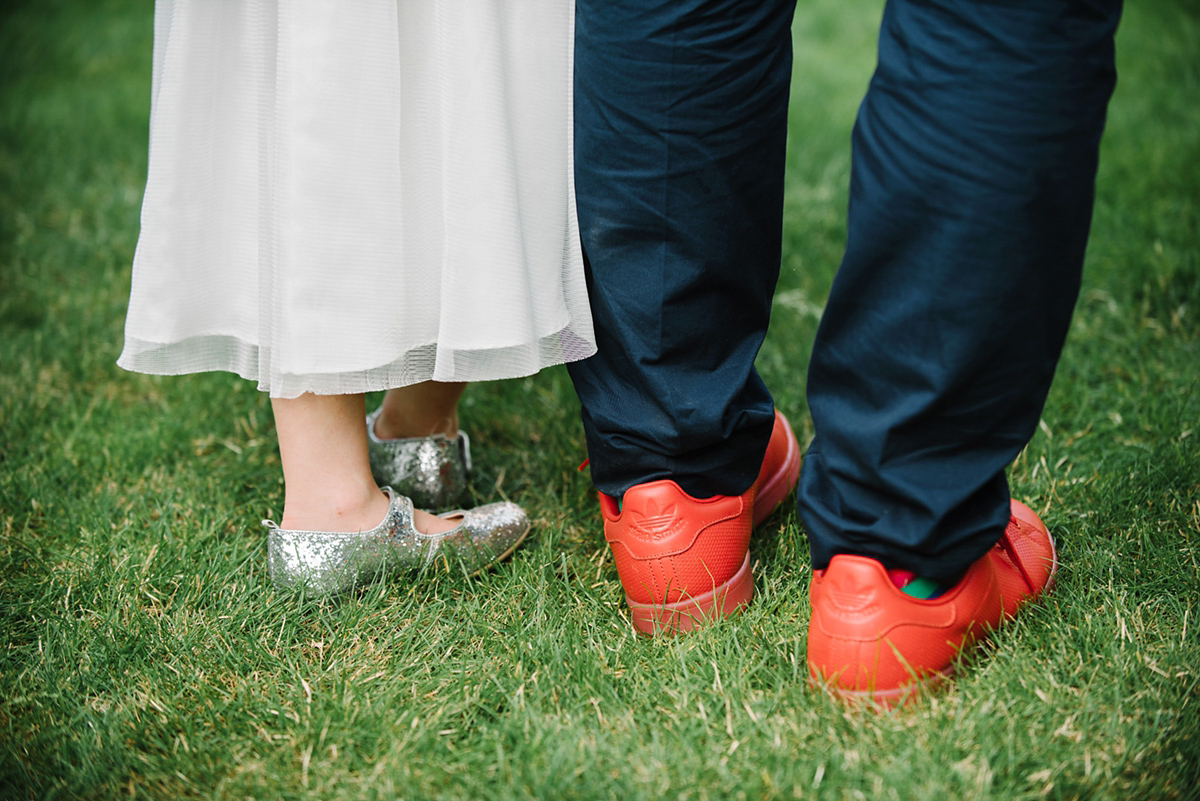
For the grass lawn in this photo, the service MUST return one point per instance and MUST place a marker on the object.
(143, 651)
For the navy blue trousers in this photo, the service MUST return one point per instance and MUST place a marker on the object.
(974, 160)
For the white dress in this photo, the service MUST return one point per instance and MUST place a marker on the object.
(351, 196)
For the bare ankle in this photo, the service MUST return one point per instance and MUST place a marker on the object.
(420, 410)
(360, 512)
(394, 424)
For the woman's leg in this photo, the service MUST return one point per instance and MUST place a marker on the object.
(326, 474)
(420, 410)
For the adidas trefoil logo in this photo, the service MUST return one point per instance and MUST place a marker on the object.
(657, 518)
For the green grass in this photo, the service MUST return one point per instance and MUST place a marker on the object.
(145, 653)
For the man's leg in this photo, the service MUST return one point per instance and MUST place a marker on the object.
(681, 122)
(972, 185)
(680, 131)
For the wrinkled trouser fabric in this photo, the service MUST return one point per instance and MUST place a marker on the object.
(680, 132)
(974, 161)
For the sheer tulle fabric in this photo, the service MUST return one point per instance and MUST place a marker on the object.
(345, 197)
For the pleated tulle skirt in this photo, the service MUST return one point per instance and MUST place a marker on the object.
(345, 197)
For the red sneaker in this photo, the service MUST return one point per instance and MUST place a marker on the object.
(685, 560)
(780, 470)
(868, 640)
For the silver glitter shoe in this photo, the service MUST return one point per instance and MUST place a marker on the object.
(327, 562)
(433, 471)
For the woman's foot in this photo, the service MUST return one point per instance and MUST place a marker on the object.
(433, 470)
(364, 515)
(327, 562)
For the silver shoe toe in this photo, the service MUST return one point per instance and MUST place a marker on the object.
(486, 535)
(327, 562)
(433, 471)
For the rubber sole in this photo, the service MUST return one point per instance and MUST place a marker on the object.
(695, 611)
(890, 699)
